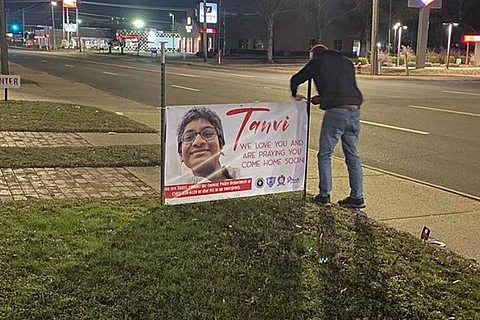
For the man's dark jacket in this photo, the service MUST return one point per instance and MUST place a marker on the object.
(334, 77)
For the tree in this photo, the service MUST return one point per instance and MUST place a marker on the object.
(268, 9)
(325, 12)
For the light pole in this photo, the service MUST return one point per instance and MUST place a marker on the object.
(138, 24)
(400, 28)
(53, 4)
(171, 15)
(450, 28)
(395, 28)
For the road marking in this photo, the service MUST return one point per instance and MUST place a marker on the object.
(436, 186)
(466, 93)
(44, 61)
(182, 75)
(69, 65)
(447, 111)
(233, 74)
(109, 73)
(185, 88)
(393, 127)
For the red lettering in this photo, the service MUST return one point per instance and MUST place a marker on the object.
(248, 113)
(255, 125)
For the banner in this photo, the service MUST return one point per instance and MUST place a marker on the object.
(70, 4)
(224, 151)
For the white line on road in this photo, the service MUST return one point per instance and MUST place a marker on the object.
(393, 127)
(185, 88)
(109, 73)
(447, 111)
(182, 75)
(466, 93)
(69, 65)
(44, 61)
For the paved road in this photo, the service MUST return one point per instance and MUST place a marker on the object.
(426, 130)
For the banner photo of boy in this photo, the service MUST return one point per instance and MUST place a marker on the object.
(223, 151)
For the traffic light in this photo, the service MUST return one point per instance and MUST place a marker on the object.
(15, 28)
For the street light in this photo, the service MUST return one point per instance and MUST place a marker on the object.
(395, 27)
(53, 4)
(400, 27)
(173, 21)
(450, 28)
(138, 24)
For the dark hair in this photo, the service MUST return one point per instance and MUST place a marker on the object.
(198, 113)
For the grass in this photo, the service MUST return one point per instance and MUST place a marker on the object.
(263, 258)
(62, 117)
(108, 156)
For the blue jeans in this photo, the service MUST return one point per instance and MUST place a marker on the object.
(345, 124)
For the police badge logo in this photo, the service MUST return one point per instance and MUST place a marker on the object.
(260, 183)
(271, 181)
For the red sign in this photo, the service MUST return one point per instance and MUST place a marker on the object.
(471, 38)
(70, 4)
(209, 30)
(201, 189)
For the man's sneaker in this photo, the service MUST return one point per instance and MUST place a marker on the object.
(324, 201)
(350, 202)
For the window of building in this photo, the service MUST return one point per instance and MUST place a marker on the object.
(338, 44)
(243, 43)
(258, 44)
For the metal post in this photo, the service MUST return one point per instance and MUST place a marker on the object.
(450, 27)
(53, 28)
(468, 53)
(389, 30)
(163, 124)
(23, 27)
(68, 32)
(63, 22)
(399, 44)
(374, 40)
(78, 30)
(205, 35)
(422, 37)
(309, 97)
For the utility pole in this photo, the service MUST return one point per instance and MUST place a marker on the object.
(422, 37)
(63, 22)
(374, 40)
(78, 30)
(23, 27)
(205, 35)
(389, 46)
(3, 39)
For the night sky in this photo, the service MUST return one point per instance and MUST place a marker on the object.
(37, 13)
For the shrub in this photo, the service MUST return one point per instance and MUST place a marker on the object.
(363, 60)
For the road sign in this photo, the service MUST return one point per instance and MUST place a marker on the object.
(9, 82)
(432, 4)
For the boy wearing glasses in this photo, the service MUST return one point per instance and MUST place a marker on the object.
(200, 144)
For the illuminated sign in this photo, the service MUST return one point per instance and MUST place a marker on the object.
(70, 4)
(212, 10)
(209, 30)
(471, 38)
(432, 4)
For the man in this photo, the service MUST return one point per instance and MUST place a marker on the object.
(339, 96)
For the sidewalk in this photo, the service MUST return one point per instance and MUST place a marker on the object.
(401, 203)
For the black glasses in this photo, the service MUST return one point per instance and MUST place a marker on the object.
(207, 134)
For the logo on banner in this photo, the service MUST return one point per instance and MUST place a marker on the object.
(281, 180)
(260, 183)
(271, 181)
(293, 180)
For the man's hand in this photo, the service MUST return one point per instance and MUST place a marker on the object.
(299, 97)
(315, 100)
